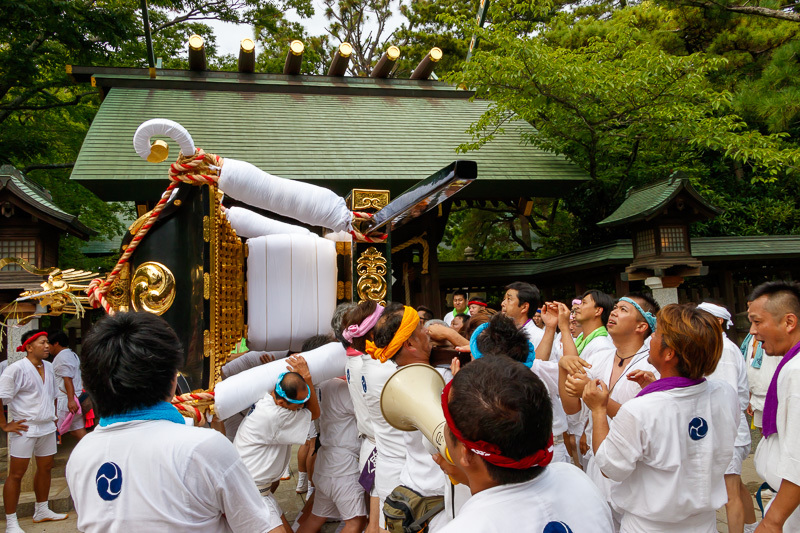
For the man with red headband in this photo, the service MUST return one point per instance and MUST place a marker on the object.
(29, 388)
(500, 439)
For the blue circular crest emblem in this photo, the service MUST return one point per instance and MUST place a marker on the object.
(698, 428)
(364, 383)
(109, 481)
(556, 527)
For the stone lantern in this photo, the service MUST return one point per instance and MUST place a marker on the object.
(659, 216)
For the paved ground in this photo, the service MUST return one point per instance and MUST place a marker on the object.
(292, 502)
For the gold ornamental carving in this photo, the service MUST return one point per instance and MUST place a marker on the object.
(152, 288)
(119, 293)
(371, 270)
(368, 199)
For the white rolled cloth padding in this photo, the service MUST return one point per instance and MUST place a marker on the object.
(339, 236)
(244, 389)
(307, 203)
(165, 128)
(291, 290)
(250, 224)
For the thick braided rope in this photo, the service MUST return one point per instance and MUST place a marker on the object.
(360, 237)
(191, 402)
(425, 249)
(197, 169)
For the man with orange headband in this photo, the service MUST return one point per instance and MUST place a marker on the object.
(399, 340)
(499, 435)
(29, 388)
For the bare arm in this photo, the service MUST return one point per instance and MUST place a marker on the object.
(296, 363)
(439, 332)
(595, 396)
(550, 319)
(571, 404)
(785, 503)
(70, 387)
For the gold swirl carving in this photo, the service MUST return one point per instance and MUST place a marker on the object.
(152, 288)
(119, 294)
(371, 269)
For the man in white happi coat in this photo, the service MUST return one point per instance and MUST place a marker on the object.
(338, 493)
(669, 447)
(732, 370)
(66, 366)
(401, 339)
(621, 369)
(143, 468)
(775, 321)
(499, 437)
(459, 307)
(519, 303)
(278, 420)
(29, 388)
(357, 325)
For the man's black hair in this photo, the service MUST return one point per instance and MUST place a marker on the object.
(388, 324)
(499, 401)
(527, 294)
(58, 337)
(602, 300)
(294, 386)
(427, 312)
(338, 316)
(648, 303)
(502, 337)
(128, 361)
(460, 292)
(28, 334)
(317, 341)
(784, 297)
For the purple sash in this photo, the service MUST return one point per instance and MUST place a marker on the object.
(770, 418)
(674, 382)
(367, 478)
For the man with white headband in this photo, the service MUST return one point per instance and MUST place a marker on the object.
(732, 370)
(499, 436)
(278, 421)
(624, 370)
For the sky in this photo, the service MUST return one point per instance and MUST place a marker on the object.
(229, 35)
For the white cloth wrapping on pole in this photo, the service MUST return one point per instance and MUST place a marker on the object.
(291, 290)
(250, 224)
(307, 203)
(244, 389)
(163, 128)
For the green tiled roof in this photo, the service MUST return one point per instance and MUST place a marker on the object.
(109, 246)
(619, 253)
(40, 200)
(374, 139)
(644, 201)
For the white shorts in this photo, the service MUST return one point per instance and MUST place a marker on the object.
(341, 496)
(313, 430)
(740, 453)
(24, 447)
(275, 511)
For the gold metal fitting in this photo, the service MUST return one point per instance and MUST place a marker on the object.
(247, 46)
(345, 49)
(297, 47)
(196, 42)
(436, 53)
(393, 53)
(159, 151)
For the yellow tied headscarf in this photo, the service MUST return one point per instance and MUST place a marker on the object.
(407, 326)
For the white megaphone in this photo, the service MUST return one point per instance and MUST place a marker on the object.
(411, 399)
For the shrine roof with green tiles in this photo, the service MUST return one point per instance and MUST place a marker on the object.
(646, 202)
(338, 132)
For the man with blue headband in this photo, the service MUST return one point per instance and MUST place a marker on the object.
(624, 369)
(280, 419)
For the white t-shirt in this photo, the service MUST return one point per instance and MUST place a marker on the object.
(357, 387)
(156, 475)
(420, 472)
(778, 456)
(265, 438)
(669, 451)
(338, 455)
(560, 499)
(67, 365)
(731, 369)
(597, 345)
(28, 397)
(388, 441)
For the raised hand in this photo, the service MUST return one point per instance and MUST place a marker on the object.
(595, 395)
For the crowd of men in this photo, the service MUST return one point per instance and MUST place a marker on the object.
(599, 416)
